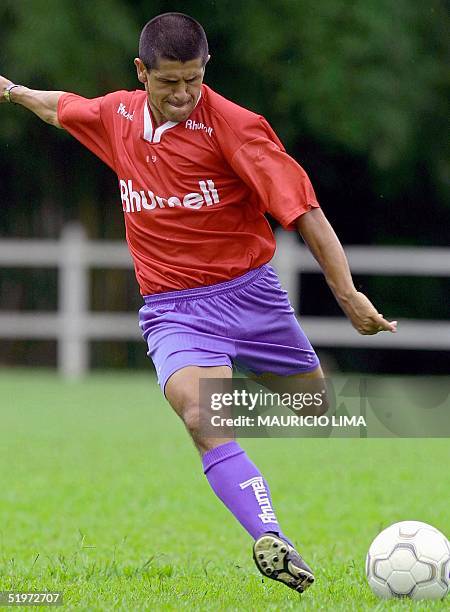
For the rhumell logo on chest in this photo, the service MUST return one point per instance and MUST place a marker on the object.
(198, 125)
(134, 200)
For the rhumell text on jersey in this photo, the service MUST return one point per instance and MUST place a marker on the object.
(136, 201)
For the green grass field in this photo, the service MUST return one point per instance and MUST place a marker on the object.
(102, 497)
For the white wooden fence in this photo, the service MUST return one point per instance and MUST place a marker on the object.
(73, 325)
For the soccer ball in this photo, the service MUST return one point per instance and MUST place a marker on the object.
(409, 559)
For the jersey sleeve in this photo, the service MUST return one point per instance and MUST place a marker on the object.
(279, 181)
(82, 118)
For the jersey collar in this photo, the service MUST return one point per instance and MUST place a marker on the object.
(153, 135)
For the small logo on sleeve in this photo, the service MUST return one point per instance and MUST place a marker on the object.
(122, 110)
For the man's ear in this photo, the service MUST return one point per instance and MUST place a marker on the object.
(204, 65)
(141, 70)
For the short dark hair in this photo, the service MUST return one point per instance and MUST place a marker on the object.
(173, 36)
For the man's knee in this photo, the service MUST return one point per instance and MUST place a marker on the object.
(318, 402)
(315, 393)
(190, 415)
(309, 395)
(323, 404)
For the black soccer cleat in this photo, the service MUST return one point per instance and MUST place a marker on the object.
(277, 560)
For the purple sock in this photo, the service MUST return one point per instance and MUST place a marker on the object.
(239, 484)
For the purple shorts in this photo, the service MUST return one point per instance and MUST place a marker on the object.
(247, 321)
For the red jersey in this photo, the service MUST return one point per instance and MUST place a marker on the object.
(193, 193)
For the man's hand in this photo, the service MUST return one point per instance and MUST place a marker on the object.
(44, 104)
(3, 85)
(364, 316)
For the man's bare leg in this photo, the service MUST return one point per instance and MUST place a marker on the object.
(237, 481)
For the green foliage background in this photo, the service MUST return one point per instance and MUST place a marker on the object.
(357, 90)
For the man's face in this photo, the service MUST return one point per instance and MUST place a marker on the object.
(173, 88)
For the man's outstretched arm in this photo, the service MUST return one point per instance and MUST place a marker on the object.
(44, 104)
(323, 243)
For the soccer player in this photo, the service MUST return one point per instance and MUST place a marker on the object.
(196, 175)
